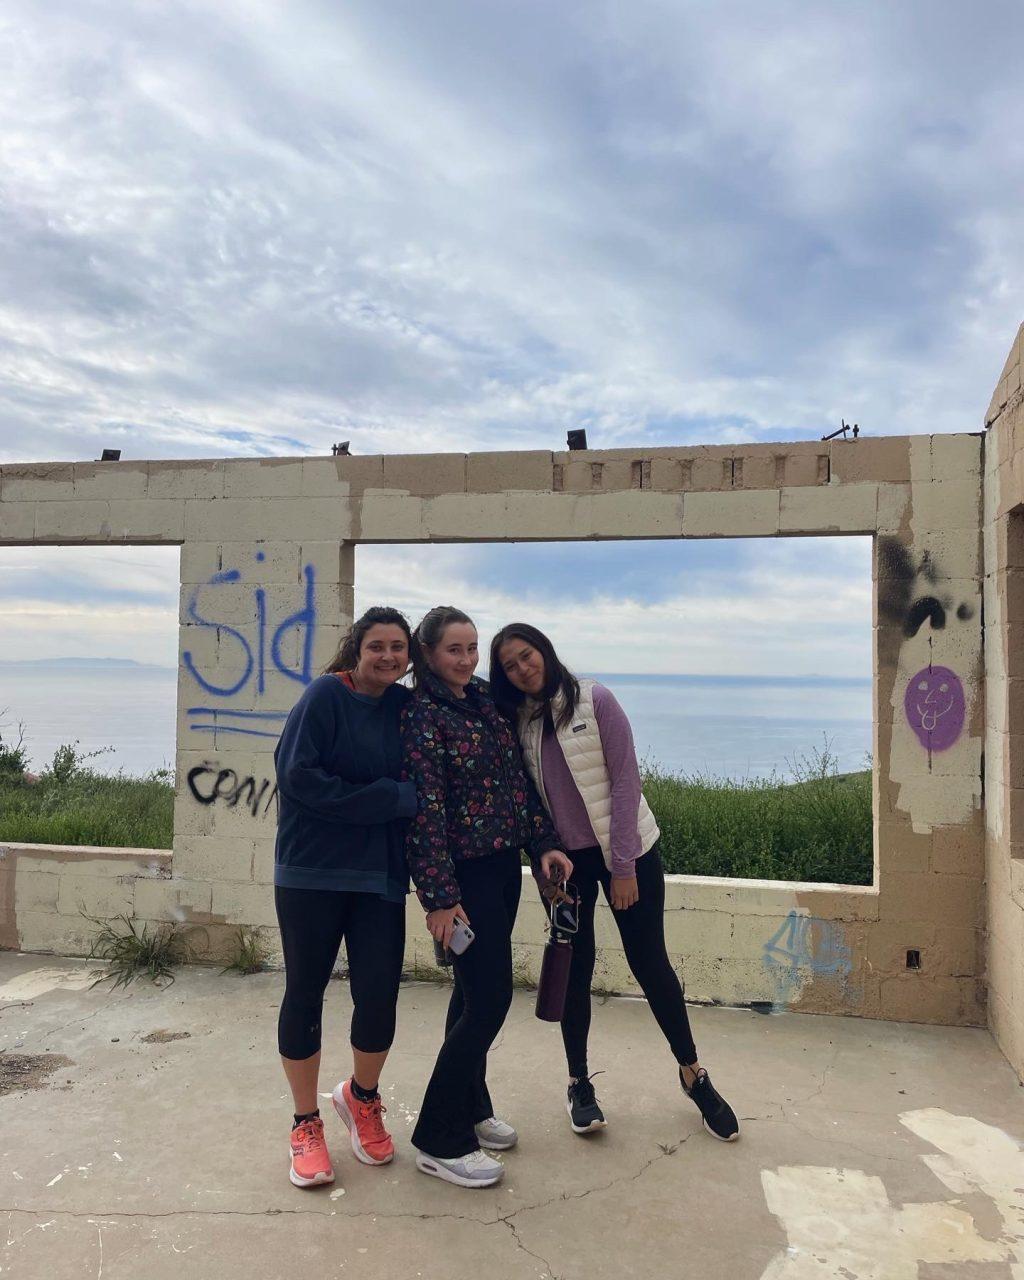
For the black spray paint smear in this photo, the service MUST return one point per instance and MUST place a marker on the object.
(965, 613)
(926, 607)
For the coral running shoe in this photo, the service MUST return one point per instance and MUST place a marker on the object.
(311, 1165)
(364, 1120)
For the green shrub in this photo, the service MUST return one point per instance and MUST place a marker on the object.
(72, 804)
(817, 828)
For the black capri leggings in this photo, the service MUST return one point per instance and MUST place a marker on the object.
(313, 923)
(642, 929)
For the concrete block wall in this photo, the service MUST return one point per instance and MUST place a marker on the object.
(267, 577)
(1004, 715)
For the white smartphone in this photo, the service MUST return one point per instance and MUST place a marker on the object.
(462, 936)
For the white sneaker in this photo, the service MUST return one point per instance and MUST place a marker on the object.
(472, 1170)
(495, 1134)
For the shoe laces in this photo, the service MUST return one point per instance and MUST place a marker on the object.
(310, 1135)
(373, 1113)
(583, 1089)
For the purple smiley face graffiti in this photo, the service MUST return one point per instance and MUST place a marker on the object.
(935, 707)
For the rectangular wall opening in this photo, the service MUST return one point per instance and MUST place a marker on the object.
(88, 678)
(744, 665)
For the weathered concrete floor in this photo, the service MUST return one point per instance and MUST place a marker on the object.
(869, 1150)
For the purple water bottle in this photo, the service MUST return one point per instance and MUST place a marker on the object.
(555, 964)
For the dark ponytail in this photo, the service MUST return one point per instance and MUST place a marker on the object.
(379, 614)
(429, 634)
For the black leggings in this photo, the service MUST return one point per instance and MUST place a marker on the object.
(642, 929)
(313, 923)
(456, 1098)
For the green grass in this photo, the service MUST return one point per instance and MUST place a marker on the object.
(132, 951)
(818, 828)
(72, 804)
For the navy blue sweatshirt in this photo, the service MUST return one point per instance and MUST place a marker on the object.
(343, 807)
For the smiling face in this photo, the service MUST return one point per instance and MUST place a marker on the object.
(383, 659)
(524, 666)
(935, 707)
(455, 656)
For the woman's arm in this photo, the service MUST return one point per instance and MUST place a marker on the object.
(426, 845)
(624, 776)
(305, 776)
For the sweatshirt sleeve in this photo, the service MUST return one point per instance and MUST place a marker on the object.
(305, 775)
(426, 845)
(624, 775)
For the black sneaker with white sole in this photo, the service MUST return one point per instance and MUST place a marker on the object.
(719, 1118)
(584, 1114)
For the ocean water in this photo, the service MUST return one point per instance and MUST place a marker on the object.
(727, 726)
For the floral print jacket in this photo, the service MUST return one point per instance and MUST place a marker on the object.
(473, 793)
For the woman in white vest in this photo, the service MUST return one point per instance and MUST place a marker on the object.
(578, 749)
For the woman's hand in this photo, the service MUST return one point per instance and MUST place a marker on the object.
(555, 866)
(625, 893)
(441, 923)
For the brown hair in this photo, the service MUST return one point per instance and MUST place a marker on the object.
(429, 633)
(378, 615)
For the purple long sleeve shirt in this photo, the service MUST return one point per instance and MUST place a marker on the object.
(569, 813)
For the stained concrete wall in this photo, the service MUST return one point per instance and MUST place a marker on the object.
(267, 577)
(1004, 717)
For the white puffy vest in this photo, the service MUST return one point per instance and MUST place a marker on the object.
(580, 741)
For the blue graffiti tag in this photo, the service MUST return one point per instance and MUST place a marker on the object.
(806, 945)
(254, 649)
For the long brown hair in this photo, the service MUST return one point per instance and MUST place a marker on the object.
(377, 615)
(557, 676)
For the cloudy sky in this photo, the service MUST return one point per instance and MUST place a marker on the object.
(257, 228)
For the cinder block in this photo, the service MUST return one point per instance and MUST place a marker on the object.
(697, 933)
(902, 849)
(466, 517)
(218, 858)
(38, 482)
(957, 952)
(17, 521)
(199, 478)
(332, 562)
(947, 900)
(947, 1001)
(755, 471)
(360, 474)
(737, 514)
(829, 509)
(147, 520)
(668, 475)
(35, 890)
(884, 460)
(111, 480)
(391, 518)
(48, 932)
(958, 851)
(954, 456)
(710, 473)
(263, 478)
(171, 899)
(636, 513)
(893, 514)
(251, 904)
(539, 516)
(263, 861)
(72, 522)
(888, 944)
(504, 472)
(944, 505)
(808, 467)
(425, 474)
(269, 520)
(99, 896)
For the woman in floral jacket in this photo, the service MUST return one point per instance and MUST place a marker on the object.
(477, 811)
